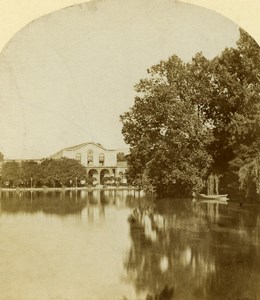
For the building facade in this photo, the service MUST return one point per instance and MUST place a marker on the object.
(99, 161)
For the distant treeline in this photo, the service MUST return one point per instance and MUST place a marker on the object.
(51, 173)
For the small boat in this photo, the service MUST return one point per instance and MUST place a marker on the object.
(210, 197)
(211, 201)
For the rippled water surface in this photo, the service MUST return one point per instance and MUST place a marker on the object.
(81, 246)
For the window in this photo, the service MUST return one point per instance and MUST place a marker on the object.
(78, 157)
(90, 157)
(101, 159)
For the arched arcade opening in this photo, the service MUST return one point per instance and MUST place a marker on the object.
(93, 176)
(104, 175)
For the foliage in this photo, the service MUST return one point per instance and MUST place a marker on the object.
(11, 173)
(61, 172)
(242, 131)
(121, 156)
(166, 134)
(249, 177)
(1, 156)
(51, 173)
(191, 119)
(30, 173)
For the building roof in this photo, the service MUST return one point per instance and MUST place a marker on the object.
(84, 144)
(59, 154)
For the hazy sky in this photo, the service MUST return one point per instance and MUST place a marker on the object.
(66, 77)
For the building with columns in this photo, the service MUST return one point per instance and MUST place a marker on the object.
(99, 161)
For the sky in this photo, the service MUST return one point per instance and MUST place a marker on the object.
(67, 76)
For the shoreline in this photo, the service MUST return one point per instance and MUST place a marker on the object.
(63, 189)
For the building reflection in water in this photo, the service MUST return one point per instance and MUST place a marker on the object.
(64, 202)
(204, 250)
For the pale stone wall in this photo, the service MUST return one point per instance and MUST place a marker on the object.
(110, 166)
(82, 153)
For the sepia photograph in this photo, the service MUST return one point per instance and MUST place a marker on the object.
(130, 150)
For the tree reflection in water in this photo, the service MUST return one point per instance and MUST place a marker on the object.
(62, 202)
(51, 203)
(203, 250)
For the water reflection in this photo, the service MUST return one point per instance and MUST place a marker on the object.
(62, 203)
(82, 245)
(204, 250)
(64, 245)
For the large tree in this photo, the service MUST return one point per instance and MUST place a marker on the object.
(166, 134)
(231, 86)
(233, 106)
(181, 106)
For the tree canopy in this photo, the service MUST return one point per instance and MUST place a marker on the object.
(191, 119)
(11, 173)
(51, 173)
(121, 156)
(62, 171)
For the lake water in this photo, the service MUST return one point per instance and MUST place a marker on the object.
(80, 246)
